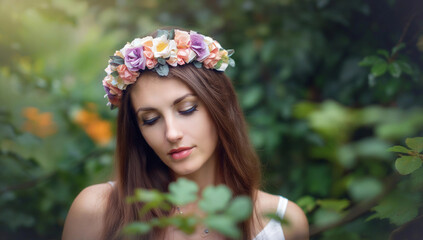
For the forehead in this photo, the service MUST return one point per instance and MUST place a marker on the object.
(151, 90)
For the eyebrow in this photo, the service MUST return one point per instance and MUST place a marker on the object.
(178, 100)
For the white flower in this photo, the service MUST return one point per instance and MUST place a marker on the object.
(116, 82)
(191, 56)
(162, 47)
(109, 69)
(208, 40)
(138, 42)
(123, 50)
(222, 67)
(173, 56)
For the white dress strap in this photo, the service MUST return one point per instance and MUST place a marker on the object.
(273, 230)
(112, 183)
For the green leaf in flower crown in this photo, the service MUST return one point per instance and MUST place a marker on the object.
(230, 52)
(171, 34)
(231, 62)
(162, 32)
(407, 164)
(399, 149)
(137, 228)
(215, 198)
(116, 60)
(198, 64)
(415, 143)
(182, 191)
(240, 208)
(144, 195)
(162, 70)
(115, 74)
(223, 224)
(218, 64)
(161, 61)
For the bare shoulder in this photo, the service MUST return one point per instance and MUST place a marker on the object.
(297, 225)
(85, 217)
(267, 203)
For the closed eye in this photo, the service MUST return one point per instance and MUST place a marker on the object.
(149, 121)
(189, 111)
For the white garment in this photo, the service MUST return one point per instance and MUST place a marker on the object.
(273, 229)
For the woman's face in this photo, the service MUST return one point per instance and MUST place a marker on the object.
(175, 123)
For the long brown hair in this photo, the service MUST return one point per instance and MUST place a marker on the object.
(137, 165)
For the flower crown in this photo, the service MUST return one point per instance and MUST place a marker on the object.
(174, 47)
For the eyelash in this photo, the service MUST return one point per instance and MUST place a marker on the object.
(188, 112)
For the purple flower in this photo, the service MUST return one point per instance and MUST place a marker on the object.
(199, 46)
(135, 59)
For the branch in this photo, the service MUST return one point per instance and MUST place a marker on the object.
(404, 32)
(360, 208)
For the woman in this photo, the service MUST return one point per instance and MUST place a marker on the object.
(178, 117)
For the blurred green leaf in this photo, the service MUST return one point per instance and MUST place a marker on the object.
(334, 204)
(399, 149)
(145, 195)
(407, 164)
(307, 203)
(323, 217)
(397, 207)
(182, 191)
(370, 61)
(240, 208)
(394, 69)
(215, 198)
(397, 48)
(383, 52)
(223, 224)
(379, 68)
(405, 67)
(365, 188)
(415, 143)
(137, 228)
(251, 96)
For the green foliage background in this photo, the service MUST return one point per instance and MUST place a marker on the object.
(320, 121)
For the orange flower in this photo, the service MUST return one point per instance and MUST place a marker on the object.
(39, 124)
(99, 130)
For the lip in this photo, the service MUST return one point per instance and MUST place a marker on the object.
(180, 153)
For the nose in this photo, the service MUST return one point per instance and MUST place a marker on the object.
(173, 132)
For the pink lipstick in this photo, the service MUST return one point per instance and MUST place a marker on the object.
(180, 153)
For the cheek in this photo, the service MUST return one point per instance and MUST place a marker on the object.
(206, 131)
(151, 136)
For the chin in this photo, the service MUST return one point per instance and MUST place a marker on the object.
(185, 171)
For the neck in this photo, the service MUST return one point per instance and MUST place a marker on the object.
(205, 176)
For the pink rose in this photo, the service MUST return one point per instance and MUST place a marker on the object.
(113, 93)
(173, 61)
(127, 76)
(150, 62)
(213, 58)
(182, 39)
(185, 56)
